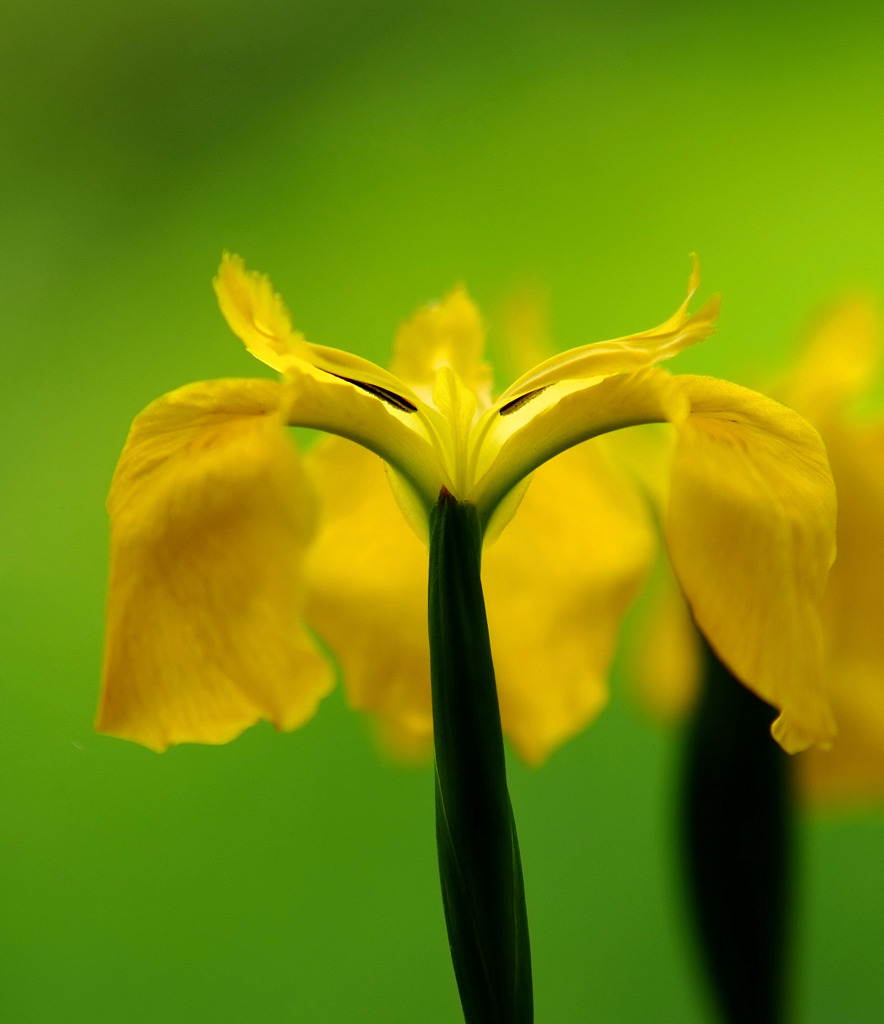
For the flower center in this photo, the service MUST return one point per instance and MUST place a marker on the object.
(458, 406)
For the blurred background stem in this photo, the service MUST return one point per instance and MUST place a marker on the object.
(737, 822)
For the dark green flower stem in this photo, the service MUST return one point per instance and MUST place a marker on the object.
(479, 864)
(737, 832)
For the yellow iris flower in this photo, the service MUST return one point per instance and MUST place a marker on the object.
(223, 541)
(836, 368)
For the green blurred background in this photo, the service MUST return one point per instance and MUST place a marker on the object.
(369, 156)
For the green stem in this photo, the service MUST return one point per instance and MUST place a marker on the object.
(479, 863)
(737, 833)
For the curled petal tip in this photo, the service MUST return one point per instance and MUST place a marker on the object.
(694, 279)
(256, 314)
(794, 738)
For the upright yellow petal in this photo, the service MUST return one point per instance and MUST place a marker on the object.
(447, 333)
(209, 521)
(366, 579)
(839, 360)
(750, 529)
(527, 338)
(557, 584)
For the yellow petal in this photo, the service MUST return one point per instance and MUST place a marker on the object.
(839, 359)
(366, 579)
(257, 315)
(852, 772)
(447, 333)
(557, 584)
(624, 355)
(853, 608)
(665, 662)
(526, 329)
(457, 404)
(209, 521)
(335, 391)
(853, 614)
(523, 437)
(750, 529)
(349, 367)
(398, 435)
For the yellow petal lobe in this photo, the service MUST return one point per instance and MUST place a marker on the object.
(557, 584)
(750, 529)
(853, 608)
(210, 518)
(448, 333)
(839, 360)
(366, 577)
(853, 613)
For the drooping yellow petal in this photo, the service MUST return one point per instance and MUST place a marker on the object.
(209, 521)
(624, 355)
(836, 367)
(853, 607)
(557, 584)
(448, 333)
(524, 436)
(853, 622)
(750, 529)
(852, 772)
(366, 579)
(257, 315)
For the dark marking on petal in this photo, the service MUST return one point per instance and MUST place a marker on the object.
(390, 397)
(517, 403)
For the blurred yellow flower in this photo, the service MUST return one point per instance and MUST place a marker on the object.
(836, 368)
(217, 548)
